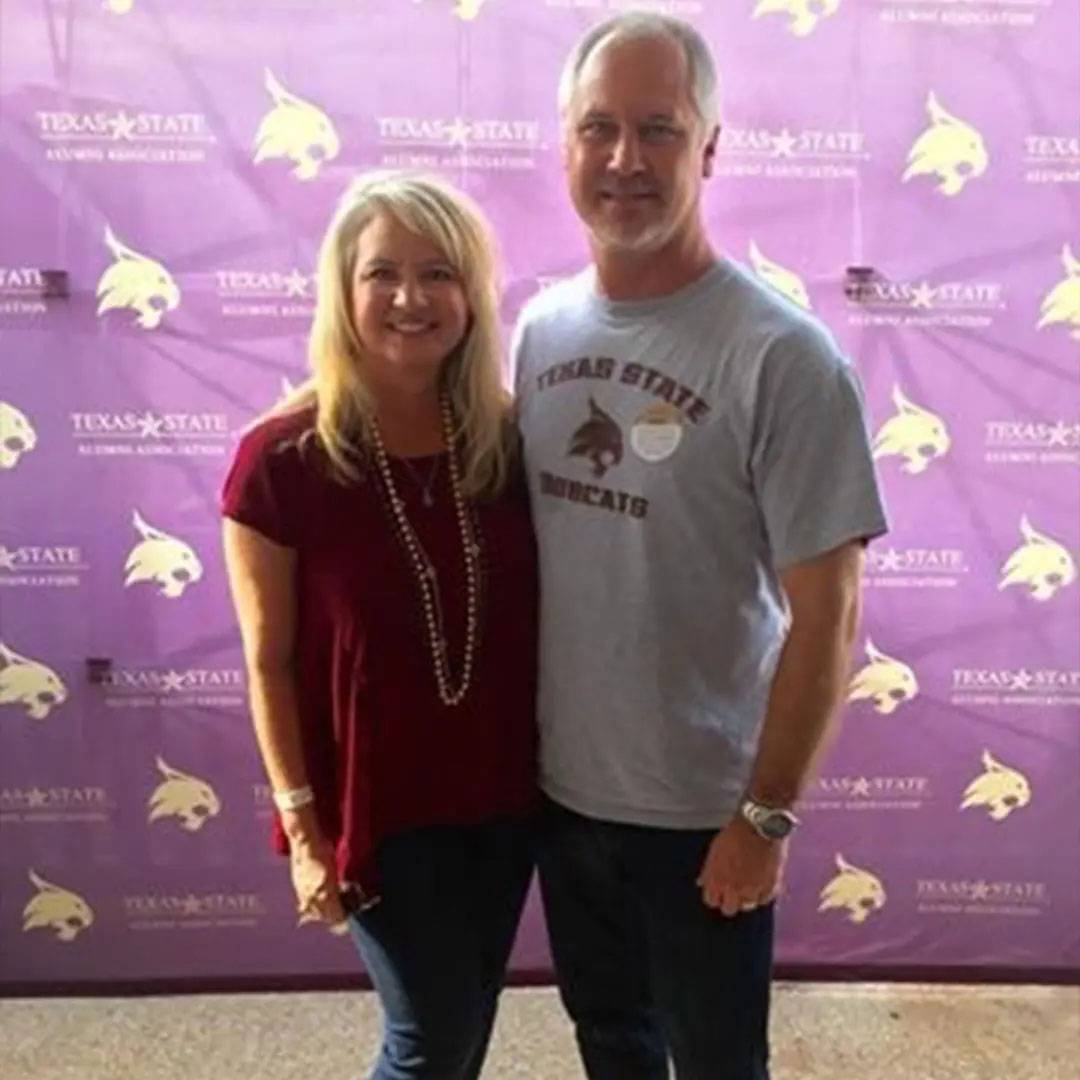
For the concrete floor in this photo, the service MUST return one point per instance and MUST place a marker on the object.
(820, 1032)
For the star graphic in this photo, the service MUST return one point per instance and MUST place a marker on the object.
(980, 890)
(296, 284)
(890, 560)
(123, 126)
(1022, 680)
(36, 797)
(923, 295)
(173, 681)
(784, 144)
(457, 134)
(150, 426)
(191, 904)
(7, 559)
(861, 786)
(1061, 434)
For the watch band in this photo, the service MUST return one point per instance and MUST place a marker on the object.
(756, 815)
(294, 798)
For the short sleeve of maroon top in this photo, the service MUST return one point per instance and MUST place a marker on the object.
(383, 753)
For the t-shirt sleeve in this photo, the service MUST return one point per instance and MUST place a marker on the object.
(259, 488)
(517, 355)
(812, 463)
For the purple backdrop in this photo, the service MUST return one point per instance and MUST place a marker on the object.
(179, 162)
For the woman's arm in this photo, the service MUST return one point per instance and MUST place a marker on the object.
(262, 577)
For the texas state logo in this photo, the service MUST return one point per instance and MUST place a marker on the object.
(802, 16)
(784, 281)
(296, 130)
(161, 560)
(1041, 564)
(1061, 305)
(915, 434)
(998, 789)
(29, 684)
(886, 682)
(182, 796)
(599, 440)
(54, 908)
(950, 149)
(137, 282)
(17, 435)
(855, 892)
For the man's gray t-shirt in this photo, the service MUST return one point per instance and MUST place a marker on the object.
(680, 452)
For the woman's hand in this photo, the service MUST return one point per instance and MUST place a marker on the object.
(313, 869)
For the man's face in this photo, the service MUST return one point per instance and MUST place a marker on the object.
(634, 148)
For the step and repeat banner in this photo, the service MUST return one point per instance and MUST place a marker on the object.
(909, 170)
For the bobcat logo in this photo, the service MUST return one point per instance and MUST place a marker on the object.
(293, 129)
(914, 433)
(599, 439)
(805, 14)
(1000, 789)
(54, 908)
(28, 683)
(950, 149)
(182, 796)
(858, 892)
(17, 436)
(1041, 563)
(784, 281)
(1062, 302)
(885, 681)
(162, 559)
(137, 282)
(467, 10)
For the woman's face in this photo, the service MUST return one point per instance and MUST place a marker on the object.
(408, 302)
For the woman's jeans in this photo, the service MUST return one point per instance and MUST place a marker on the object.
(437, 943)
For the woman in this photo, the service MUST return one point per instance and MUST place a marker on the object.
(381, 560)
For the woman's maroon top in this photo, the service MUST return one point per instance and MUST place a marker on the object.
(383, 753)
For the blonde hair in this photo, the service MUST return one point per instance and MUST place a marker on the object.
(471, 376)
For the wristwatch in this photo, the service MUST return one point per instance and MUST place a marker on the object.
(768, 822)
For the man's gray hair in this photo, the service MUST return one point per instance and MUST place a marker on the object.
(704, 81)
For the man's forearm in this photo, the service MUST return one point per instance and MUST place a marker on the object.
(805, 699)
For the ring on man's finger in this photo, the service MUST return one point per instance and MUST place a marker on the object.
(748, 905)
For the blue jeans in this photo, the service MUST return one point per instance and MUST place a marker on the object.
(436, 945)
(645, 969)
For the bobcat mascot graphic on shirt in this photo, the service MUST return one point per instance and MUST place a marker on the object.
(599, 439)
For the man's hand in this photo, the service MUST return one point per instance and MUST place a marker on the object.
(741, 870)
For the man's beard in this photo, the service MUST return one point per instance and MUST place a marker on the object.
(640, 241)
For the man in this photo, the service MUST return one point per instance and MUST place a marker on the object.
(703, 490)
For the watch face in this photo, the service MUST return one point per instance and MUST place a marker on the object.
(776, 826)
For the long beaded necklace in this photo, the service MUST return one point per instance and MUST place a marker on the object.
(424, 571)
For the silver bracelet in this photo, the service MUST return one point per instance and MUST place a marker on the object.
(294, 798)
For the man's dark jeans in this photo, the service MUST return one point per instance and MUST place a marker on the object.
(645, 969)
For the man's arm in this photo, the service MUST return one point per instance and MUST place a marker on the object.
(809, 684)
(743, 869)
